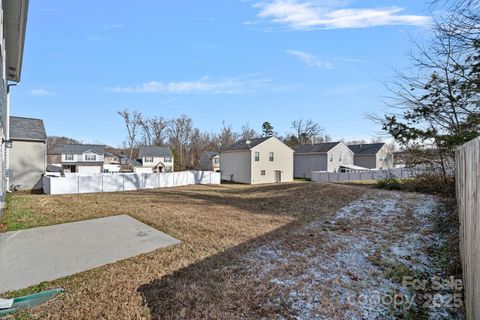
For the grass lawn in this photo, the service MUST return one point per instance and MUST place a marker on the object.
(235, 241)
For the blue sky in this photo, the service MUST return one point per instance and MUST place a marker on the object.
(233, 60)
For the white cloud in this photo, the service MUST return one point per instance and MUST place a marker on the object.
(303, 15)
(40, 92)
(310, 60)
(245, 84)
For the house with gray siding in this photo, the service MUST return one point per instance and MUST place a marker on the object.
(255, 161)
(328, 157)
(28, 155)
(13, 22)
(83, 158)
(372, 156)
(210, 161)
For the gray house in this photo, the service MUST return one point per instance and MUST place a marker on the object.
(83, 158)
(372, 156)
(210, 161)
(28, 155)
(329, 157)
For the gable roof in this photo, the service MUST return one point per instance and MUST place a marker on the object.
(154, 151)
(243, 145)
(81, 148)
(210, 154)
(27, 129)
(316, 147)
(366, 148)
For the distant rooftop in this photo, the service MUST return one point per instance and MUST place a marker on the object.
(27, 129)
(366, 148)
(316, 147)
(154, 151)
(81, 148)
(246, 144)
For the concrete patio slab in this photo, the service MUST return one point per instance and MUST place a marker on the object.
(28, 257)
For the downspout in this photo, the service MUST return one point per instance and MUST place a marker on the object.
(7, 135)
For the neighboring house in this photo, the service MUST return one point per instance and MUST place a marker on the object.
(328, 157)
(111, 162)
(83, 158)
(54, 156)
(155, 159)
(210, 161)
(13, 22)
(27, 157)
(372, 156)
(254, 161)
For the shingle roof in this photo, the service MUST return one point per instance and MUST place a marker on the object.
(27, 129)
(367, 148)
(243, 145)
(316, 148)
(210, 154)
(81, 148)
(154, 151)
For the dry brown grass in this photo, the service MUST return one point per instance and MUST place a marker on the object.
(199, 278)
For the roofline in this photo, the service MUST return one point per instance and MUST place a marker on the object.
(22, 27)
(29, 140)
(29, 118)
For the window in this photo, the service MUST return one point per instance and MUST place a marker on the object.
(167, 159)
(69, 157)
(331, 157)
(148, 159)
(257, 156)
(271, 156)
(216, 161)
(340, 158)
(262, 172)
(90, 157)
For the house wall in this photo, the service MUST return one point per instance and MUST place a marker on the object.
(3, 117)
(366, 160)
(215, 163)
(208, 164)
(168, 166)
(89, 169)
(305, 163)
(27, 164)
(384, 158)
(81, 158)
(283, 161)
(236, 166)
(338, 155)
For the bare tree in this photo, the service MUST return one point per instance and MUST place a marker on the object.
(226, 137)
(248, 132)
(132, 123)
(179, 132)
(306, 131)
(158, 127)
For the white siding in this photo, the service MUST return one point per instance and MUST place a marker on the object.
(27, 164)
(338, 155)
(283, 162)
(236, 166)
(89, 169)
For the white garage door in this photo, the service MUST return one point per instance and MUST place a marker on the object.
(89, 169)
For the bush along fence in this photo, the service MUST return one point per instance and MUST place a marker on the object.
(396, 173)
(467, 163)
(117, 182)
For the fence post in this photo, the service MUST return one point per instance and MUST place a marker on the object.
(78, 184)
(123, 184)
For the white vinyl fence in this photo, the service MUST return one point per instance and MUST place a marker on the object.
(115, 182)
(401, 173)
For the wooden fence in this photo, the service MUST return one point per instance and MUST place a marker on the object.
(468, 197)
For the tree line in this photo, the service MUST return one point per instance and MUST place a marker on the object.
(188, 142)
(435, 105)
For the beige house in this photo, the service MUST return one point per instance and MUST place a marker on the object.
(328, 157)
(28, 155)
(372, 156)
(255, 161)
(83, 158)
(210, 161)
(155, 159)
